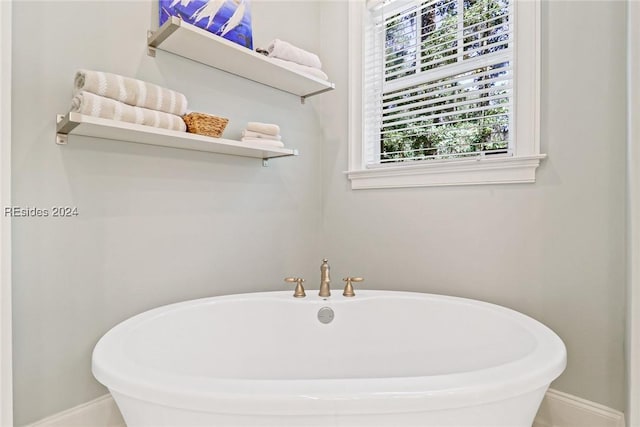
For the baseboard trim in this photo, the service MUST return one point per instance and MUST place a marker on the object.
(558, 409)
(100, 412)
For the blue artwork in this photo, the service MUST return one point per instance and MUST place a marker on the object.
(230, 19)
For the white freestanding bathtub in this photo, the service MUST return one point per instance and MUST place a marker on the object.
(386, 359)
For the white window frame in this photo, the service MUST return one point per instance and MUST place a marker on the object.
(518, 168)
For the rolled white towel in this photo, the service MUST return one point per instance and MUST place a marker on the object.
(131, 91)
(251, 134)
(266, 128)
(315, 72)
(285, 50)
(262, 141)
(98, 106)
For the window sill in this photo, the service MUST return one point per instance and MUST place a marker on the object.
(503, 170)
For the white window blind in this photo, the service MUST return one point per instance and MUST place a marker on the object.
(438, 80)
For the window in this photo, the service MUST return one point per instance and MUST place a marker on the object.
(443, 92)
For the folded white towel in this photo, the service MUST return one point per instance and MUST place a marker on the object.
(262, 141)
(98, 106)
(266, 128)
(259, 135)
(316, 72)
(131, 91)
(285, 50)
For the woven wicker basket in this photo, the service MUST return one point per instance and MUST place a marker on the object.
(205, 124)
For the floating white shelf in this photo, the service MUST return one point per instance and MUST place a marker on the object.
(79, 124)
(189, 41)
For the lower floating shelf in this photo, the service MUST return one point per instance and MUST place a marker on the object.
(80, 124)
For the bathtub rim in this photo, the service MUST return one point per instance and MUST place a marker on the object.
(357, 395)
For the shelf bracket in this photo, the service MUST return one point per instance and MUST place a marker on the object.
(151, 50)
(265, 163)
(155, 38)
(63, 127)
(304, 97)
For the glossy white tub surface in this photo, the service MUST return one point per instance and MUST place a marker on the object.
(387, 359)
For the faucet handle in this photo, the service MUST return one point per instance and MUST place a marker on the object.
(348, 289)
(299, 292)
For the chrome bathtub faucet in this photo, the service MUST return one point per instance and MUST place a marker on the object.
(325, 291)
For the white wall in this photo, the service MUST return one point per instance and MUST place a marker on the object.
(155, 225)
(633, 217)
(555, 249)
(6, 382)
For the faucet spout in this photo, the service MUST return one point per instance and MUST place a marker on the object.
(325, 291)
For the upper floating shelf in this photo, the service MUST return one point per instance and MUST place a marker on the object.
(189, 41)
(80, 124)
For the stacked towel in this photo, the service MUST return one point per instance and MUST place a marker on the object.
(285, 50)
(251, 134)
(98, 106)
(295, 58)
(111, 96)
(263, 128)
(130, 91)
(316, 72)
(263, 133)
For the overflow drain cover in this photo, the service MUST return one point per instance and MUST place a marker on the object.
(325, 315)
